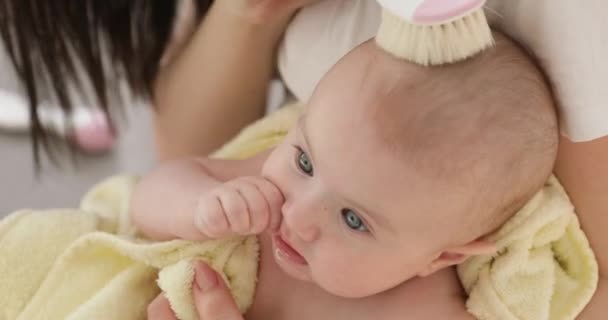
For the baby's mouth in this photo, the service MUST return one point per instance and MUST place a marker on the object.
(284, 249)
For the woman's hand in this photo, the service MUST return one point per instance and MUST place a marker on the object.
(211, 297)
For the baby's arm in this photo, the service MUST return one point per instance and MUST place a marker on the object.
(198, 199)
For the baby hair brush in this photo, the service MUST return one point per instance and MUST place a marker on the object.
(434, 32)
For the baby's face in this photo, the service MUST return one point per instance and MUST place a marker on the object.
(396, 170)
(357, 220)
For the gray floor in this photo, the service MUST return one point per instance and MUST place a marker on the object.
(63, 187)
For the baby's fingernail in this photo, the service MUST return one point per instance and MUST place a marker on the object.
(206, 279)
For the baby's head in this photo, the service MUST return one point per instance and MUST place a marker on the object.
(396, 170)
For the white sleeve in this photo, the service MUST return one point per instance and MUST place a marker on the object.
(319, 36)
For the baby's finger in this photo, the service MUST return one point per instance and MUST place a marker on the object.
(210, 217)
(258, 207)
(274, 199)
(236, 210)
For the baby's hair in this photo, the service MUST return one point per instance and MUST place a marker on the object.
(487, 124)
(59, 45)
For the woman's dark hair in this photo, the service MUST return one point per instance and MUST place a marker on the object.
(109, 39)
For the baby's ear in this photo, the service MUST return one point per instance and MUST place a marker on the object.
(458, 255)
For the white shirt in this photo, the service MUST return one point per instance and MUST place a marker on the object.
(569, 38)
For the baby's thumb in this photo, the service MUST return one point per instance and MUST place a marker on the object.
(211, 296)
(275, 220)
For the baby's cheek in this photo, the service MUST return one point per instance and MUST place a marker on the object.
(343, 280)
(358, 274)
(272, 166)
(341, 273)
(277, 170)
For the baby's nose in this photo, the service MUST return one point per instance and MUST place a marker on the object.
(302, 220)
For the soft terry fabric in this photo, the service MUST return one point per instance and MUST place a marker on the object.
(544, 269)
(65, 264)
(90, 264)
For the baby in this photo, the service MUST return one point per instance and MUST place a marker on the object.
(393, 172)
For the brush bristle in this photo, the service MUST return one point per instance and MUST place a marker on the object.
(435, 45)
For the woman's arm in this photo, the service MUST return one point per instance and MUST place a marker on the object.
(583, 170)
(218, 83)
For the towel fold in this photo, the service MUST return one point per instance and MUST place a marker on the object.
(64, 264)
(544, 268)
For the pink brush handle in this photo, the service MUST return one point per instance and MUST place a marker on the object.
(431, 12)
(443, 11)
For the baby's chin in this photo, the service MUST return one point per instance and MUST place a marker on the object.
(338, 291)
(355, 289)
(304, 271)
(348, 293)
(301, 276)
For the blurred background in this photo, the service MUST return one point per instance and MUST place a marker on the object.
(62, 187)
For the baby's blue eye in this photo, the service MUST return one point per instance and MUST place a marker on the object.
(304, 163)
(353, 221)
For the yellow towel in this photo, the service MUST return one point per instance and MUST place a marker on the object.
(544, 269)
(63, 264)
(90, 264)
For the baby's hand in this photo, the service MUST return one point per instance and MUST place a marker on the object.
(244, 206)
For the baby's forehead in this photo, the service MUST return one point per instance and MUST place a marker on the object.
(411, 108)
(370, 71)
(461, 124)
(374, 76)
(360, 94)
